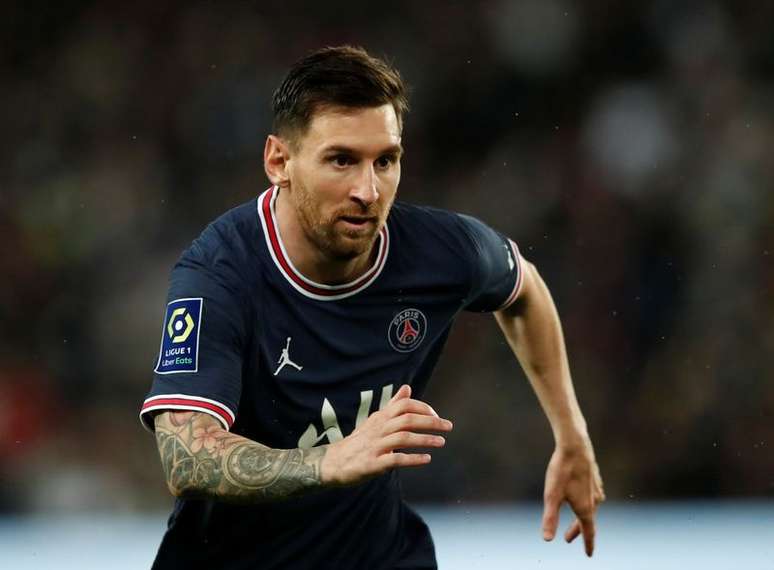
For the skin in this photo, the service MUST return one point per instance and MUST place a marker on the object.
(203, 460)
(337, 181)
(533, 331)
(345, 168)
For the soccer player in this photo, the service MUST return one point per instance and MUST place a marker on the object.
(302, 328)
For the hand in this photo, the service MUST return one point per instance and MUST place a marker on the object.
(370, 450)
(573, 476)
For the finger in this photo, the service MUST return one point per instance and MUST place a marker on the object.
(416, 422)
(588, 530)
(599, 485)
(396, 459)
(406, 439)
(550, 516)
(408, 405)
(403, 392)
(599, 492)
(573, 532)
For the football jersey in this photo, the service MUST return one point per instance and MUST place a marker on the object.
(288, 362)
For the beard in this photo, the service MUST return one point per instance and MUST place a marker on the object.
(328, 235)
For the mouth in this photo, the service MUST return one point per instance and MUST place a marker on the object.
(357, 221)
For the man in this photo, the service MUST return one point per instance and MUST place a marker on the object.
(302, 328)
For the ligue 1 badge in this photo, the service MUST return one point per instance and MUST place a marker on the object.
(179, 350)
(407, 329)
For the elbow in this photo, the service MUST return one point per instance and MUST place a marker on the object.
(180, 481)
(186, 490)
(186, 474)
(176, 490)
(177, 487)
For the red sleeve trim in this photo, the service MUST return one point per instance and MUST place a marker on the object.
(219, 411)
(517, 286)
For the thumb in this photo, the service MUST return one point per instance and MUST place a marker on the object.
(403, 392)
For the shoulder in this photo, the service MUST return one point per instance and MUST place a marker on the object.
(408, 212)
(430, 221)
(233, 234)
(433, 243)
(433, 226)
(226, 249)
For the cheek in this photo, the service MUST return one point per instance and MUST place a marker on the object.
(320, 200)
(389, 183)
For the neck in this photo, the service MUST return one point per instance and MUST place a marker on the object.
(307, 257)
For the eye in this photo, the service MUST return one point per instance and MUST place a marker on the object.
(385, 161)
(342, 160)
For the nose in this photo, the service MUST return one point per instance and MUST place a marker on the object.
(364, 190)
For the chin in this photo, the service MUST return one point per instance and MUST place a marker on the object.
(347, 253)
(347, 248)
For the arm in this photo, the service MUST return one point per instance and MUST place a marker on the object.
(532, 328)
(203, 460)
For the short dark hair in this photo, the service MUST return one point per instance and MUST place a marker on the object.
(343, 76)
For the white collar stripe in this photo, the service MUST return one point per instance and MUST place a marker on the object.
(300, 283)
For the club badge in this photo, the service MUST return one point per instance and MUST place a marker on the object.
(407, 329)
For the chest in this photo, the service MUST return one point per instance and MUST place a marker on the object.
(379, 338)
(318, 369)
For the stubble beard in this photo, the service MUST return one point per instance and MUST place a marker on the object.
(323, 233)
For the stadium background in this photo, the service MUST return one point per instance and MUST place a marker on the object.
(622, 145)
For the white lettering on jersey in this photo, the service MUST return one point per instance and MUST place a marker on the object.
(331, 428)
(330, 422)
(366, 398)
(386, 396)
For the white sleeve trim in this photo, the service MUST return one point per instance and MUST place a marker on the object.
(519, 278)
(216, 409)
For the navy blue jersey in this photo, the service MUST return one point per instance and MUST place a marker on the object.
(288, 362)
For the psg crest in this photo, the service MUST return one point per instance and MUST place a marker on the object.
(407, 330)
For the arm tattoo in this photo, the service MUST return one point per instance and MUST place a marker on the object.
(201, 459)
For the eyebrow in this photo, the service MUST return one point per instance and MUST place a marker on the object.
(392, 149)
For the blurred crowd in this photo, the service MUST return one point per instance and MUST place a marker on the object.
(621, 145)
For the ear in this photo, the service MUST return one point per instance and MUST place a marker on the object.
(275, 161)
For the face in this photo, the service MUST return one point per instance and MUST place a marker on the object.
(343, 174)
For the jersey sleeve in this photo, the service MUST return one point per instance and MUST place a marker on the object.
(497, 271)
(199, 366)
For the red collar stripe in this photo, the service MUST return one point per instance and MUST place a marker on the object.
(299, 282)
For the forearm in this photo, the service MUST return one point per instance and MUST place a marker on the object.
(202, 460)
(534, 332)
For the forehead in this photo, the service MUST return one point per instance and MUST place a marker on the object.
(357, 128)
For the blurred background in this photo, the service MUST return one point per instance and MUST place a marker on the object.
(622, 145)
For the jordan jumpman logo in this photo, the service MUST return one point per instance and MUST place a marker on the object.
(284, 359)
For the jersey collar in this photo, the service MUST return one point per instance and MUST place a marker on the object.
(305, 286)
